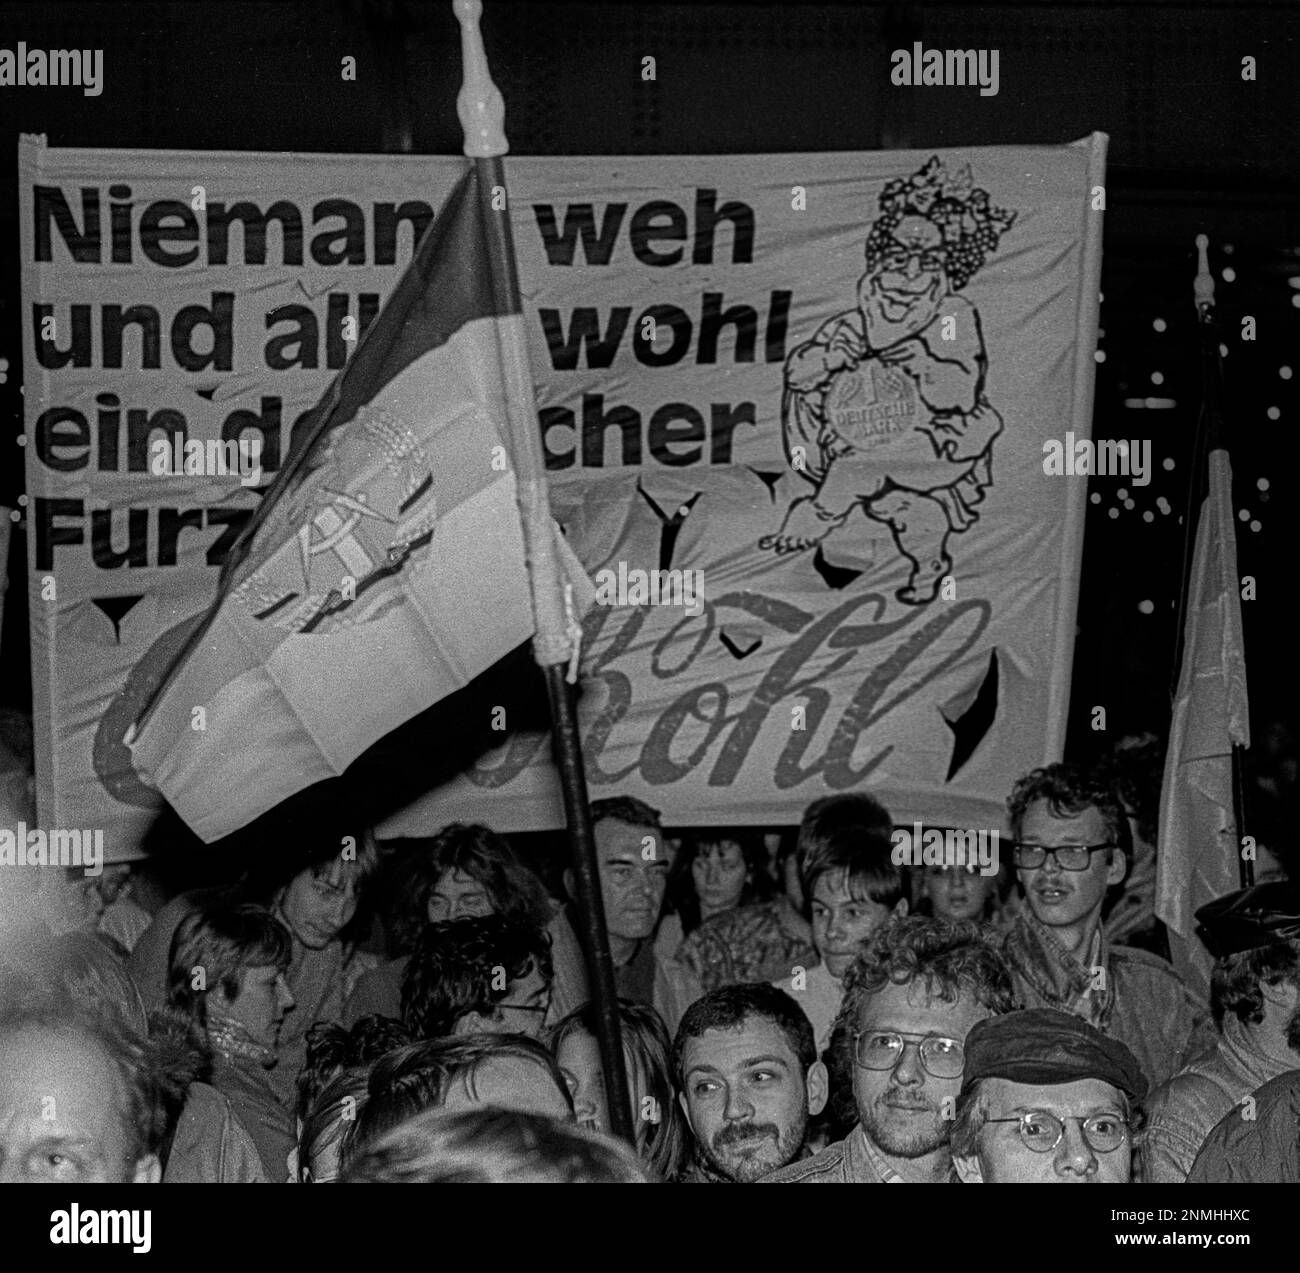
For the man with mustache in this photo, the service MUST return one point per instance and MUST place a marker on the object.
(1254, 935)
(748, 1079)
(910, 1000)
(884, 409)
(1072, 843)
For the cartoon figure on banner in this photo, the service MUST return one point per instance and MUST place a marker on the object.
(884, 408)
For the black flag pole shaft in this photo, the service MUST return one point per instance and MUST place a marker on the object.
(482, 116)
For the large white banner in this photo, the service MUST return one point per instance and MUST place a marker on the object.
(816, 386)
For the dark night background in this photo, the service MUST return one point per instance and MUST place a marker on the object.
(1193, 149)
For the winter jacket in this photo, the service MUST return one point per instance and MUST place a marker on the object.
(211, 1146)
(1182, 1113)
(1258, 1142)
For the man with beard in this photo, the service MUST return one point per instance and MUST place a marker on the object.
(1045, 1099)
(1254, 935)
(910, 1000)
(1072, 844)
(748, 1078)
(884, 408)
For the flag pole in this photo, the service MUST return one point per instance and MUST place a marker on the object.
(1210, 436)
(482, 114)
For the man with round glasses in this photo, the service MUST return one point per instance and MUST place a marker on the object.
(1045, 1099)
(911, 998)
(1071, 843)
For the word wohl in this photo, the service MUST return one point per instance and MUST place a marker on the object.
(193, 457)
(1111, 457)
(59, 68)
(133, 1228)
(947, 847)
(945, 67)
(22, 847)
(638, 587)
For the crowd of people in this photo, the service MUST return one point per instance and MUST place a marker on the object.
(794, 1008)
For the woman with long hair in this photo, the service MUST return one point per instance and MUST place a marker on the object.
(466, 871)
(716, 871)
(660, 1127)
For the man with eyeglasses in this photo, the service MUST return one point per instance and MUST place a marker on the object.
(1071, 843)
(911, 999)
(1045, 1099)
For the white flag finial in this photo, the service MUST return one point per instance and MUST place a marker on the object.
(1203, 288)
(479, 105)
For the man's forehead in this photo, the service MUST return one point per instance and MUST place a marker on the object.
(721, 1047)
(64, 1077)
(1045, 823)
(616, 831)
(1080, 1096)
(909, 1008)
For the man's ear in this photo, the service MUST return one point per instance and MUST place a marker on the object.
(900, 907)
(148, 1171)
(968, 1170)
(1118, 868)
(818, 1084)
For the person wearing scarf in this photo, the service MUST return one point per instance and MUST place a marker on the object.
(228, 976)
(1071, 842)
(317, 905)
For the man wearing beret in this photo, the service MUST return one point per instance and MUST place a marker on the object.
(1254, 936)
(910, 999)
(1071, 843)
(1045, 1099)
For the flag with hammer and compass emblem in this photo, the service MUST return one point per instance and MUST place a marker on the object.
(384, 570)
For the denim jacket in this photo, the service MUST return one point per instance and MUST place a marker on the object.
(846, 1162)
